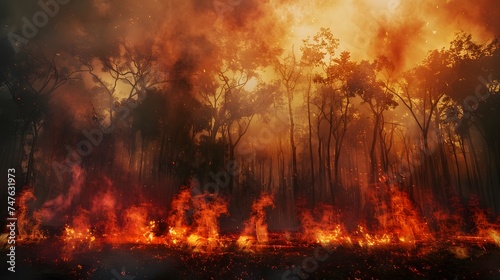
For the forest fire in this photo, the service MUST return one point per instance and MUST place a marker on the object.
(250, 139)
(78, 236)
(193, 228)
(193, 225)
(255, 231)
(29, 225)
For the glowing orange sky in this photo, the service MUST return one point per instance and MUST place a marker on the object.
(402, 30)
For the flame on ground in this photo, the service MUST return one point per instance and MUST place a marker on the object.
(486, 230)
(193, 224)
(29, 226)
(399, 223)
(78, 236)
(326, 230)
(141, 230)
(205, 234)
(177, 219)
(193, 221)
(255, 231)
(406, 223)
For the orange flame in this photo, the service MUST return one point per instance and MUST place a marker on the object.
(399, 223)
(326, 231)
(193, 223)
(78, 236)
(139, 229)
(486, 230)
(256, 224)
(178, 226)
(29, 226)
(405, 220)
(205, 236)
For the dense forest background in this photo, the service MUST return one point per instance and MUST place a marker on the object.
(151, 97)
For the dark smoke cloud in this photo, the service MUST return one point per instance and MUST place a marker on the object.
(398, 41)
(401, 30)
(405, 31)
(480, 15)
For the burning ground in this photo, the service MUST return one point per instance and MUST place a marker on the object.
(251, 139)
(189, 243)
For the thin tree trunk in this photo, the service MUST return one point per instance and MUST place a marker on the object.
(457, 165)
(293, 147)
(373, 156)
(143, 143)
(328, 158)
(313, 185)
(462, 148)
(31, 156)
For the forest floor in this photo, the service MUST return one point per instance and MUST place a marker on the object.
(47, 260)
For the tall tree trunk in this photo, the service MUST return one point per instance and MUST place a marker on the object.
(462, 148)
(31, 156)
(457, 165)
(373, 155)
(143, 144)
(281, 168)
(328, 157)
(311, 155)
(321, 166)
(293, 147)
